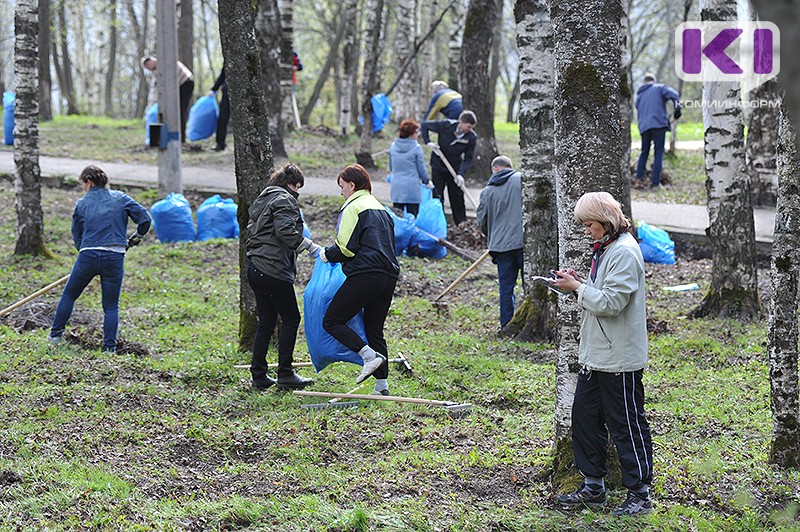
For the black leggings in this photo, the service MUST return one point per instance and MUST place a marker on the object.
(273, 298)
(369, 291)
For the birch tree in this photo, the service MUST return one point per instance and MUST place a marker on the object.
(45, 83)
(785, 270)
(250, 123)
(268, 37)
(349, 67)
(286, 10)
(454, 44)
(28, 179)
(734, 289)
(535, 318)
(406, 103)
(372, 78)
(108, 99)
(761, 143)
(62, 60)
(427, 57)
(588, 149)
(186, 33)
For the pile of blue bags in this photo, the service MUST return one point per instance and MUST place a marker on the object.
(8, 118)
(419, 236)
(173, 222)
(656, 245)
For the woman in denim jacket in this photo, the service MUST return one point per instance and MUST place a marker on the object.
(99, 228)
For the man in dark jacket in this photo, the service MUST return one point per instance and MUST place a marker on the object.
(224, 109)
(500, 219)
(651, 111)
(456, 141)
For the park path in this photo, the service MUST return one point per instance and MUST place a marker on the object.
(675, 218)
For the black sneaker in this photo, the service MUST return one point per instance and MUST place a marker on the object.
(261, 385)
(293, 382)
(634, 505)
(591, 495)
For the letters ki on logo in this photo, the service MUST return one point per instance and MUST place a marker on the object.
(747, 52)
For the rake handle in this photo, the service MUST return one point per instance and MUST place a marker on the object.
(391, 398)
(461, 277)
(34, 295)
(449, 166)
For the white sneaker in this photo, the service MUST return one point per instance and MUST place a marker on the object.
(55, 340)
(370, 367)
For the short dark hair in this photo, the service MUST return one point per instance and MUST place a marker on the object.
(288, 174)
(358, 175)
(468, 117)
(408, 127)
(95, 175)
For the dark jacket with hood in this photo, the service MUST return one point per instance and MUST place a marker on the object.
(275, 233)
(457, 151)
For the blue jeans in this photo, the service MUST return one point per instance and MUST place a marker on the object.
(657, 137)
(110, 266)
(509, 266)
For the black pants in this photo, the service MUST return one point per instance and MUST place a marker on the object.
(412, 208)
(185, 90)
(273, 298)
(613, 401)
(224, 116)
(441, 178)
(373, 292)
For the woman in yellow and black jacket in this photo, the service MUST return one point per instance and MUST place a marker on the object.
(366, 248)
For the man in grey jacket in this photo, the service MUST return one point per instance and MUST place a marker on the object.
(500, 219)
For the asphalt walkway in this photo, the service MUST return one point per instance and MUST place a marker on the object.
(674, 218)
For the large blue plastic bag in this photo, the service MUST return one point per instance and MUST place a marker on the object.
(381, 111)
(306, 230)
(216, 218)
(403, 229)
(8, 117)
(433, 226)
(326, 278)
(150, 117)
(202, 118)
(172, 219)
(656, 245)
(426, 194)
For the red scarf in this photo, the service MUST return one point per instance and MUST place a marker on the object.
(598, 248)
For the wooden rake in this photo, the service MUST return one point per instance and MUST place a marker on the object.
(453, 409)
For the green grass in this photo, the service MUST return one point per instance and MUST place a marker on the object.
(172, 439)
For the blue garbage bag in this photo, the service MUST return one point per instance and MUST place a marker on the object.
(306, 230)
(8, 118)
(656, 245)
(426, 194)
(202, 118)
(381, 111)
(216, 218)
(403, 229)
(326, 278)
(150, 117)
(433, 226)
(172, 219)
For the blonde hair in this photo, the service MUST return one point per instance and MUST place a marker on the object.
(602, 207)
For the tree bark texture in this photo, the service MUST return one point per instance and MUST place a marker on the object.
(349, 66)
(250, 122)
(535, 45)
(186, 33)
(406, 103)
(427, 58)
(268, 37)
(28, 179)
(625, 111)
(140, 35)
(372, 78)
(782, 334)
(45, 83)
(588, 150)
(734, 290)
(286, 10)
(454, 44)
(108, 100)
(475, 84)
(762, 139)
(65, 80)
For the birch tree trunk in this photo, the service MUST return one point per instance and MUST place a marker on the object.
(588, 150)
(454, 45)
(475, 85)
(28, 179)
(734, 290)
(372, 80)
(45, 83)
(268, 37)
(535, 318)
(186, 33)
(286, 9)
(761, 143)
(250, 123)
(112, 59)
(427, 57)
(349, 66)
(782, 335)
(406, 103)
(65, 80)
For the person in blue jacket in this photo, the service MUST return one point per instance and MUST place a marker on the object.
(99, 231)
(651, 111)
(407, 165)
(444, 100)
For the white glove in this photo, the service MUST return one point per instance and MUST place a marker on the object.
(322, 256)
(211, 93)
(304, 245)
(459, 179)
(429, 185)
(433, 145)
(314, 250)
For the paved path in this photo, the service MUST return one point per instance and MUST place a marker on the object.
(675, 218)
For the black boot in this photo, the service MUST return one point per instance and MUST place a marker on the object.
(263, 383)
(293, 381)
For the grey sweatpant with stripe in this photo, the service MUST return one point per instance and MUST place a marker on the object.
(612, 403)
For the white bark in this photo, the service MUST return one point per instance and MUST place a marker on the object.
(406, 104)
(761, 143)
(349, 67)
(427, 55)
(782, 336)
(286, 9)
(454, 44)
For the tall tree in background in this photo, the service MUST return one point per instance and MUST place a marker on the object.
(330, 60)
(63, 62)
(250, 123)
(535, 318)
(268, 37)
(139, 30)
(372, 78)
(475, 85)
(429, 12)
(785, 270)
(108, 100)
(186, 33)
(734, 289)
(761, 142)
(588, 150)
(28, 181)
(454, 44)
(406, 102)
(349, 67)
(286, 10)
(45, 83)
